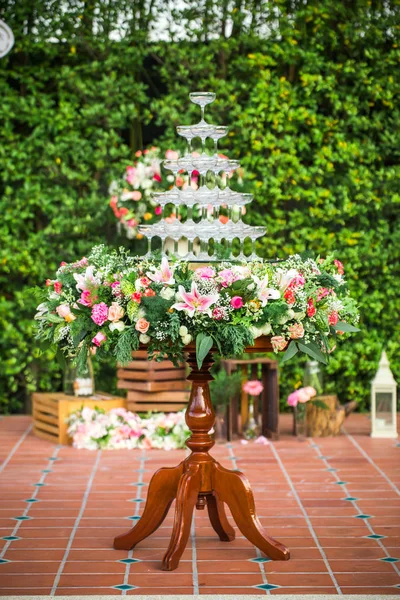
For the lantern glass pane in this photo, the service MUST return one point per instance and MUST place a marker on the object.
(383, 415)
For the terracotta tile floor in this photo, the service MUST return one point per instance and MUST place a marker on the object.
(334, 502)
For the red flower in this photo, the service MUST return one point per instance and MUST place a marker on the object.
(289, 296)
(136, 297)
(157, 177)
(311, 310)
(333, 318)
(149, 292)
(339, 266)
(57, 287)
(63, 263)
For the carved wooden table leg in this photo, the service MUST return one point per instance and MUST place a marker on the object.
(199, 481)
(162, 492)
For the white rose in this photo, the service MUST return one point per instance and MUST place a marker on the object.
(119, 326)
(291, 313)
(255, 332)
(167, 293)
(251, 286)
(183, 331)
(266, 329)
(187, 339)
(144, 339)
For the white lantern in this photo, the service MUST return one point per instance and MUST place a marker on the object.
(383, 401)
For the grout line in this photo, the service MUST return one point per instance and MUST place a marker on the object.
(259, 555)
(307, 518)
(137, 509)
(370, 460)
(76, 525)
(354, 503)
(33, 495)
(195, 574)
(15, 448)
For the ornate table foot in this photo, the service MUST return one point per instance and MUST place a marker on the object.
(186, 499)
(162, 492)
(219, 521)
(233, 488)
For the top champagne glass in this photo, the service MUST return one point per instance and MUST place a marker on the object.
(202, 99)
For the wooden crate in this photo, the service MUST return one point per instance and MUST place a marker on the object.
(153, 386)
(50, 411)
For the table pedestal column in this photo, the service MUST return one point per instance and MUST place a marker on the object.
(198, 482)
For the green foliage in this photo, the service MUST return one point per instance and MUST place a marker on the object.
(127, 341)
(224, 387)
(308, 90)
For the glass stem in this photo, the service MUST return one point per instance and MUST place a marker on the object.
(176, 249)
(149, 245)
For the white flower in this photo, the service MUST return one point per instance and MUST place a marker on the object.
(167, 293)
(285, 277)
(187, 339)
(119, 326)
(183, 331)
(144, 339)
(41, 310)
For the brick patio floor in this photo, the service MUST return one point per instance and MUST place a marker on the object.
(335, 502)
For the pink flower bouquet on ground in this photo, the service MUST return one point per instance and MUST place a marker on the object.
(117, 429)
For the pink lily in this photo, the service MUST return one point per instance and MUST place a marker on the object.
(264, 293)
(86, 280)
(164, 275)
(194, 302)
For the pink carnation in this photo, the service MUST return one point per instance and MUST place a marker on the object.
(278, 343)
(237, 302)
(253, 387)
(100, 313)
(99, 338)
(296, 331)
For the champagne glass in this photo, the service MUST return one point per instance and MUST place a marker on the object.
(218, 132)
(186, 131)
(202, 99)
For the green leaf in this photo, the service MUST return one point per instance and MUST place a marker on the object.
(292, 349)
(342, 326)
(312, 350)
(203, 346)
(54, 318)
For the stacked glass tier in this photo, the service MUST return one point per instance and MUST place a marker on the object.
(200, 239)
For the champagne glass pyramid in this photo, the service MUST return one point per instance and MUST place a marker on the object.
(207, 197)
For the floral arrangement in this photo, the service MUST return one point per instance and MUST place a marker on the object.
(302, 395)
(113, 302)
(119, 428)
(131, 199)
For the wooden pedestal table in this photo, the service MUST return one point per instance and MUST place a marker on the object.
(200, 481)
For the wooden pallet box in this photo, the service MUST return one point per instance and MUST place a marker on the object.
(153, 386)
(51, 410)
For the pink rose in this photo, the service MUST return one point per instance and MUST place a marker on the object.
(293, 399)
(136, 195)
(86, 298)
(296, 331)
(228, 277)
(237, 302)
(100, 313)
(63, 310)
(205, 273)
(253, 387)
(142, 326)
(278, 343)
(171, 155)
(99, 338)
(115, 312)
(158, 210)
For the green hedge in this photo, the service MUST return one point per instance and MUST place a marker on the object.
(309, 93)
